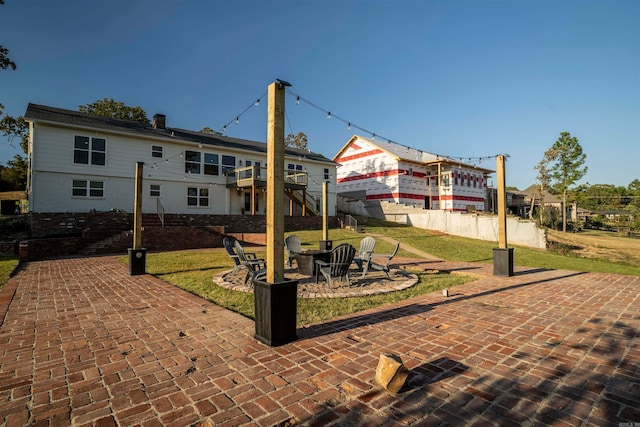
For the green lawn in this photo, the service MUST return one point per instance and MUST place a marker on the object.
(7, 266)
(193, 271)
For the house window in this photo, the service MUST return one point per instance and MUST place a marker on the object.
(86, 188)
(157, 151)
(198, 196)
(89, 151)
(228, 164)
(192, 161)
(211, 164)
(154, 190)
(326, 174)
(292, 166)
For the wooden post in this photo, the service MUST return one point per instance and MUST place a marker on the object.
(275, 183)
(440, 207)
(502, 203)
(137, 209)
(502, 255)
(325, 209)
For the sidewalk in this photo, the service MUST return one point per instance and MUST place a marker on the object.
(83, 343)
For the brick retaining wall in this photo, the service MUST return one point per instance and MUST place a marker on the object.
(92, 233)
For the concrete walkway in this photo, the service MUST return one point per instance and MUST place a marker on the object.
(84, 343)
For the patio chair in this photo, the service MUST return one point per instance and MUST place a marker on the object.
(364, 254)
(256, 267)
(294, 246)
(383, 266)
(228, 244)
(341, 258)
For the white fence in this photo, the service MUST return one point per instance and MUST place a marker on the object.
(476, 226)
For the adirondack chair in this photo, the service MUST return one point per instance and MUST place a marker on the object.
(341, 258)
(364, 254)
(228, 244)
(294, 246)
(256, 267)
(384, 265)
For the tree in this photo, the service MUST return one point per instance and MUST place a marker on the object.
(15, 173)
(543, 183)
(110, 108)
(208, 130)
(564, 162)
(297, 141)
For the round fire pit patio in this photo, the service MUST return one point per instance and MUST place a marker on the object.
(375, 282)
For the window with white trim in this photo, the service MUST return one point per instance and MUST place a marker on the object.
(154, 190)
(87, 188)
(211, 164)
(89, 151)
(228, 164)
(198, 196)
(326, 174)
(192, 161)
(157, 151)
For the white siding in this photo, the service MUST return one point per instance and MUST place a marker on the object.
(53, 171)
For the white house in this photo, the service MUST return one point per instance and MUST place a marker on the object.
(80, 162)
(379, 170)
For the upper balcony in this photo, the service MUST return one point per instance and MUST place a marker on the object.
(256, 177)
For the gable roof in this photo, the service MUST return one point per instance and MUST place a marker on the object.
(532, 191)
(42, 113)
(408, 154)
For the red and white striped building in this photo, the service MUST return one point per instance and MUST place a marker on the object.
(395, 173)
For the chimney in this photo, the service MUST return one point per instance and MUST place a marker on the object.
(159, 121)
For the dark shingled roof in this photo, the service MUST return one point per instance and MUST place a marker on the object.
(75, 118)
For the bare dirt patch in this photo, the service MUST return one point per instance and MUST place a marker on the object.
(612, 246)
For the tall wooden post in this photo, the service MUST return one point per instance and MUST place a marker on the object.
(137, 209)
(325, 210)
(275, 183)
(502, 203)
(276, 299)
(502, 255)
(137, 255)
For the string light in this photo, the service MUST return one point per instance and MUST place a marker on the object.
(237, 117)
(349, 124)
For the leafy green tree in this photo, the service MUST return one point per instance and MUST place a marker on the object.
(564, 161)
(298, 141)
(208, 130)
(5, 62)
(543, 179)
(15, 173)
(110, 108)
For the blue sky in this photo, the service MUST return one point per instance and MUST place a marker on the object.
(457, 78)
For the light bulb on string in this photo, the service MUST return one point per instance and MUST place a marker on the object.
(298, 100)
(349, 126)
(237, 120)
(257, 102)
(329, 115)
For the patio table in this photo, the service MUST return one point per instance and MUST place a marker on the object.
(307, 260)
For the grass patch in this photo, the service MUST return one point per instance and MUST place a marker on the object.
(455, 248)
(193, 272)
(7, 267)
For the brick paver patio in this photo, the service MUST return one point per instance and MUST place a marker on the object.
(84, 343)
